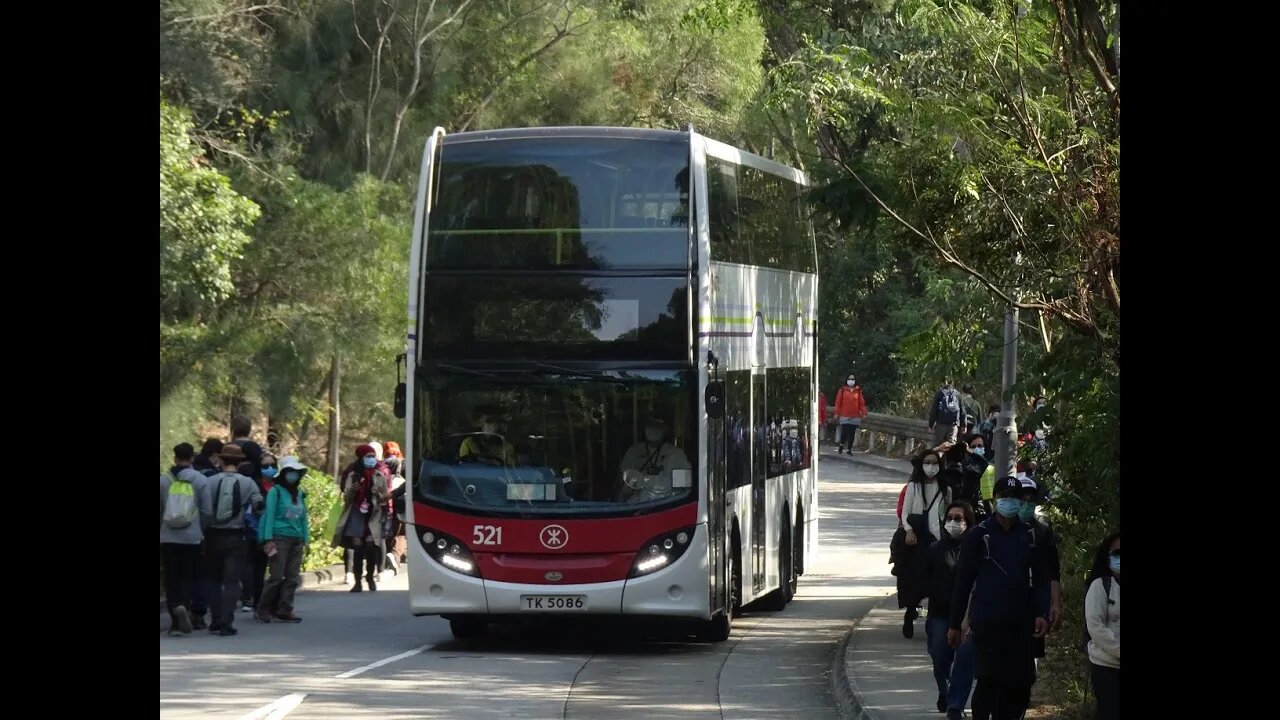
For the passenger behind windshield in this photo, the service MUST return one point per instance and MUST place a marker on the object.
(652, 469)
(490, 445)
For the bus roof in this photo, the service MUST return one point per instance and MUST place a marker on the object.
(585, 132)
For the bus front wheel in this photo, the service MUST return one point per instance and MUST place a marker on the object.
(718, 627)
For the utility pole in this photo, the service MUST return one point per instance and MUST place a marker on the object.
(1007, 432)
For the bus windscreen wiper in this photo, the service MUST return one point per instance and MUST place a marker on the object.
(459, 368)
(594, 375)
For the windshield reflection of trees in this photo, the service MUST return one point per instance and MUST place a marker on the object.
(546, 317)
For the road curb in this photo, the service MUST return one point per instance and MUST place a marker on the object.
(849, 702)
(859, 460)
(321, 576)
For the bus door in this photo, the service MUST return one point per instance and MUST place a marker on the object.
(716, 509)
(759, 461)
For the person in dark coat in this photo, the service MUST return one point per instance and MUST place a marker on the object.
(923, 507)
(1007, 613)
(952, 667)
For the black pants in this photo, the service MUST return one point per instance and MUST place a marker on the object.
(225, 552)
(1106, 687)
(1005, 669)
(255, 574)
(364, 559)
(181, 573)
(999, 702)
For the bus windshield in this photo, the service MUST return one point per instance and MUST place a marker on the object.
(549, 440)
(558, 203)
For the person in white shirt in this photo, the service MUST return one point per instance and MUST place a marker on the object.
(923, 508)
(1102, 619)
(653, 469)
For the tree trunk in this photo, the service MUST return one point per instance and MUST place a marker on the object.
(335, 384)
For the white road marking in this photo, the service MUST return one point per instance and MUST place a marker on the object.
(287, 704)
(380, 663)
(277, 709)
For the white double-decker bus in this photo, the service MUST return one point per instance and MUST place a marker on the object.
(611, 404)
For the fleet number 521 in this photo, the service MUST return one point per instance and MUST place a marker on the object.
(486, 535)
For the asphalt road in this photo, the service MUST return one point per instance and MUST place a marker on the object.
(364, 655)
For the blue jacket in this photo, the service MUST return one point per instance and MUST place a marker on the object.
(1007, 571)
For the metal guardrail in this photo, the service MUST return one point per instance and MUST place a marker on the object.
(884, 432)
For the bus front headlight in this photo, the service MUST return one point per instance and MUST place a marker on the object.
(661, 551)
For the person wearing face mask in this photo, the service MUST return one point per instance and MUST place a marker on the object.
(490, 445)
(394, 527)
(1047, 539)
(923, 508)
(851, 408)
(653, 468)
(284, 535)
(255, 569)
(365, 492)
(952, 667)
(973, 466)
(1005, 614)
(1102, 625)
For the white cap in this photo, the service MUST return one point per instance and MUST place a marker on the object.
(377, 448)
(291, 462)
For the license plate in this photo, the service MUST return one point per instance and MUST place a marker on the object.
(554, 603)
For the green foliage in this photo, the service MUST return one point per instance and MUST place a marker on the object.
(203, 222)
(322, 495)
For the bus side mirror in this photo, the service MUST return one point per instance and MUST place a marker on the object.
(401, 390)
(400, 400)
(715, 400)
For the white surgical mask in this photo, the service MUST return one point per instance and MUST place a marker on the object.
(849, 383)
(954, 529)
(979, 451)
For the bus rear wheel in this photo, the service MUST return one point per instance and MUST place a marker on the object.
(466, 627)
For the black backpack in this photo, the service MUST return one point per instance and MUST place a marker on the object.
(1084, 644)
(948, 406)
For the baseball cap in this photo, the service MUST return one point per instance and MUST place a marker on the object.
(1007, 485)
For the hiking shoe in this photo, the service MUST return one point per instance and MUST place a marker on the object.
(908, 623)
(182, 619)
(288, 617)
(227, 631)
(356, 588)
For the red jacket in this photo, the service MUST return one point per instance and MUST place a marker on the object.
(902, 496)
(822, 408)
(849, 403)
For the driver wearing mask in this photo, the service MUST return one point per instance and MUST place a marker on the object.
(652, 469)
(488, 446)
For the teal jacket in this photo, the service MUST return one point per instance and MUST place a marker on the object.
(283, 517)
